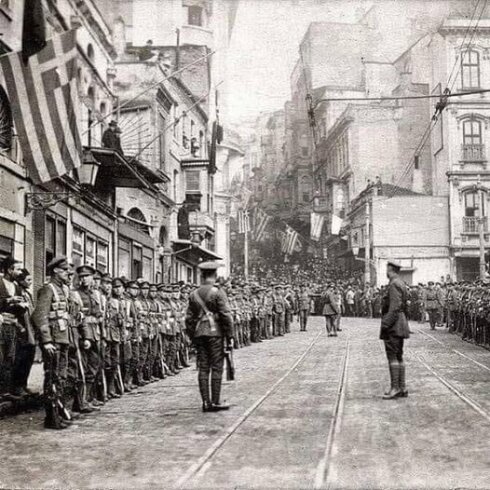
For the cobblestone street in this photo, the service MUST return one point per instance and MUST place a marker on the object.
(306, 412)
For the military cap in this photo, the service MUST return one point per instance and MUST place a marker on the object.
(278, 286)
(133, 284)
(210, 265)
(97, 274)
(161, 286)
(60, 262)
(144, 285)
(116, 282)
(113, 123)
(106, 277)
(394, 264)
(85, 270)
(430, 283)
(153, 287)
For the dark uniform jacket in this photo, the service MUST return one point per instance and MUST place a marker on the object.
(51, 317)
(330, 305)
(394, 321)
(216, 302)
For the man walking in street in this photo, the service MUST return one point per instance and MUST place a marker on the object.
(210, 326)
(394, 330)
(304, 307)
(330, 311)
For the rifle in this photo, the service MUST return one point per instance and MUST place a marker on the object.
(165, 368)
(230, 365)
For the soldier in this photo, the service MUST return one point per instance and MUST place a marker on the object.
(113, 328)
(51, 321)
(279, 310)
(210, 325)
(432, 305)
(143, 309)
(154, 318)
(126, 332)
(290, 307)
(170, 346)
(90, 330)
(394, 329)
(255, 311)
(330, 310)
(304, 307)
(268, 307)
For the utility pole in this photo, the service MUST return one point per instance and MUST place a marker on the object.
(245, 253)
(367, 248)
(481, 233)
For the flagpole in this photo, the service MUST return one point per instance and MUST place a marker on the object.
(245, 254)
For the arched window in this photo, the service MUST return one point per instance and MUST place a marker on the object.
(6, 122)
(470, 69)
(90, 52)
(472, 132)
(137, 219)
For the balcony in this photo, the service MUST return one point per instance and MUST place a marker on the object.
(473, 153)
(200, 221)
(196, 36)
(470, 225)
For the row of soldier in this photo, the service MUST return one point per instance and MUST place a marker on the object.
(104, 337)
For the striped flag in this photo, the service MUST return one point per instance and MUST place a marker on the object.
(290, 241)
(44, 100)
(261, 220)
(336, 224)
(316, 226)
(243, 221)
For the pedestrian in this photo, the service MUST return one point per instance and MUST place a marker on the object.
(210, 326)
(304, 307)
(394, 330)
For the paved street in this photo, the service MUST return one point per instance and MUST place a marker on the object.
(306, 412)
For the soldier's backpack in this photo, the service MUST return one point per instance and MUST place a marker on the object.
(206, 325)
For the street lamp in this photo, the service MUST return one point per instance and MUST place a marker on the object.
(87, 172)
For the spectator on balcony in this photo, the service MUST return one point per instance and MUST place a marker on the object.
(147, 52)
(111, 137)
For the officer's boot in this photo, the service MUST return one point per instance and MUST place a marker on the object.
(53, 419)
(395, 382)
(89, 397)
(203, 379)
(403, 387)
(127, 380)
(111, 388)
(216, 392)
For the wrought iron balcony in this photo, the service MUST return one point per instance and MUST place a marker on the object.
(470, 224)
(473, 153)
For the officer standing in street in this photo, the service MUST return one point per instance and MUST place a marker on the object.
(51, 321)
(304, 307)
(210, 326)
(394, 330)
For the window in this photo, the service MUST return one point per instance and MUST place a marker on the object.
(472, 204)
(194, 16)
(78, 247)
(55, 238)
(192, 180)
(470, 69)
(137, 220)
(175, 184)
(147, 272)
(161, 141)
(137, 265)
(91, 251)
(6, 122)
(472, 134)
(416, 162)
(90, 52)
(124, 253)
(305, 188)
(102, 256)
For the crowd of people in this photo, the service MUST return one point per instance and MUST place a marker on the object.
(101, 337)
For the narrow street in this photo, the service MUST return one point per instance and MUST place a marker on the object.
(306, 412)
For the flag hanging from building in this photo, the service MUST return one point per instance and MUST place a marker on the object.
(336, 224)
(316, 226)
(43, 95)
(261, 221)
(289, 241)
(243, 221)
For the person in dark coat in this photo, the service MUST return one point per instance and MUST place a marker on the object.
(210, 326)
(394, 330)
(25, 350)
(330, 311)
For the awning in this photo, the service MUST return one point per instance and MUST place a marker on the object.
(186, 251)
(122, 172)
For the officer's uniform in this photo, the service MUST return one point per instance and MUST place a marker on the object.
(330, 312)
(432, 305)
(304, 306)
(51, 321)
(394, 329)
(209, 332)
(279, 311)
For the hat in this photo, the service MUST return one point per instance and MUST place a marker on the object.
(97, 274)
(113, 123)
(394, 264)
(106, 277)
(133, 284)
(116, 282)
(60, 262)
(144, 285)
(161, 286)
(85, 270)
(430, 283)
(210, 265)
(277, 286)
(153, 287)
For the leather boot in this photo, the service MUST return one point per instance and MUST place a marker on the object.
(395, 382)
(403, 388)
(216, 394)
(203, 380)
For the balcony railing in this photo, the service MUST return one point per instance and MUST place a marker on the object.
(470, 224)
(473, 153)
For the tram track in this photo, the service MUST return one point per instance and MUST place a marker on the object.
(199, 468)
